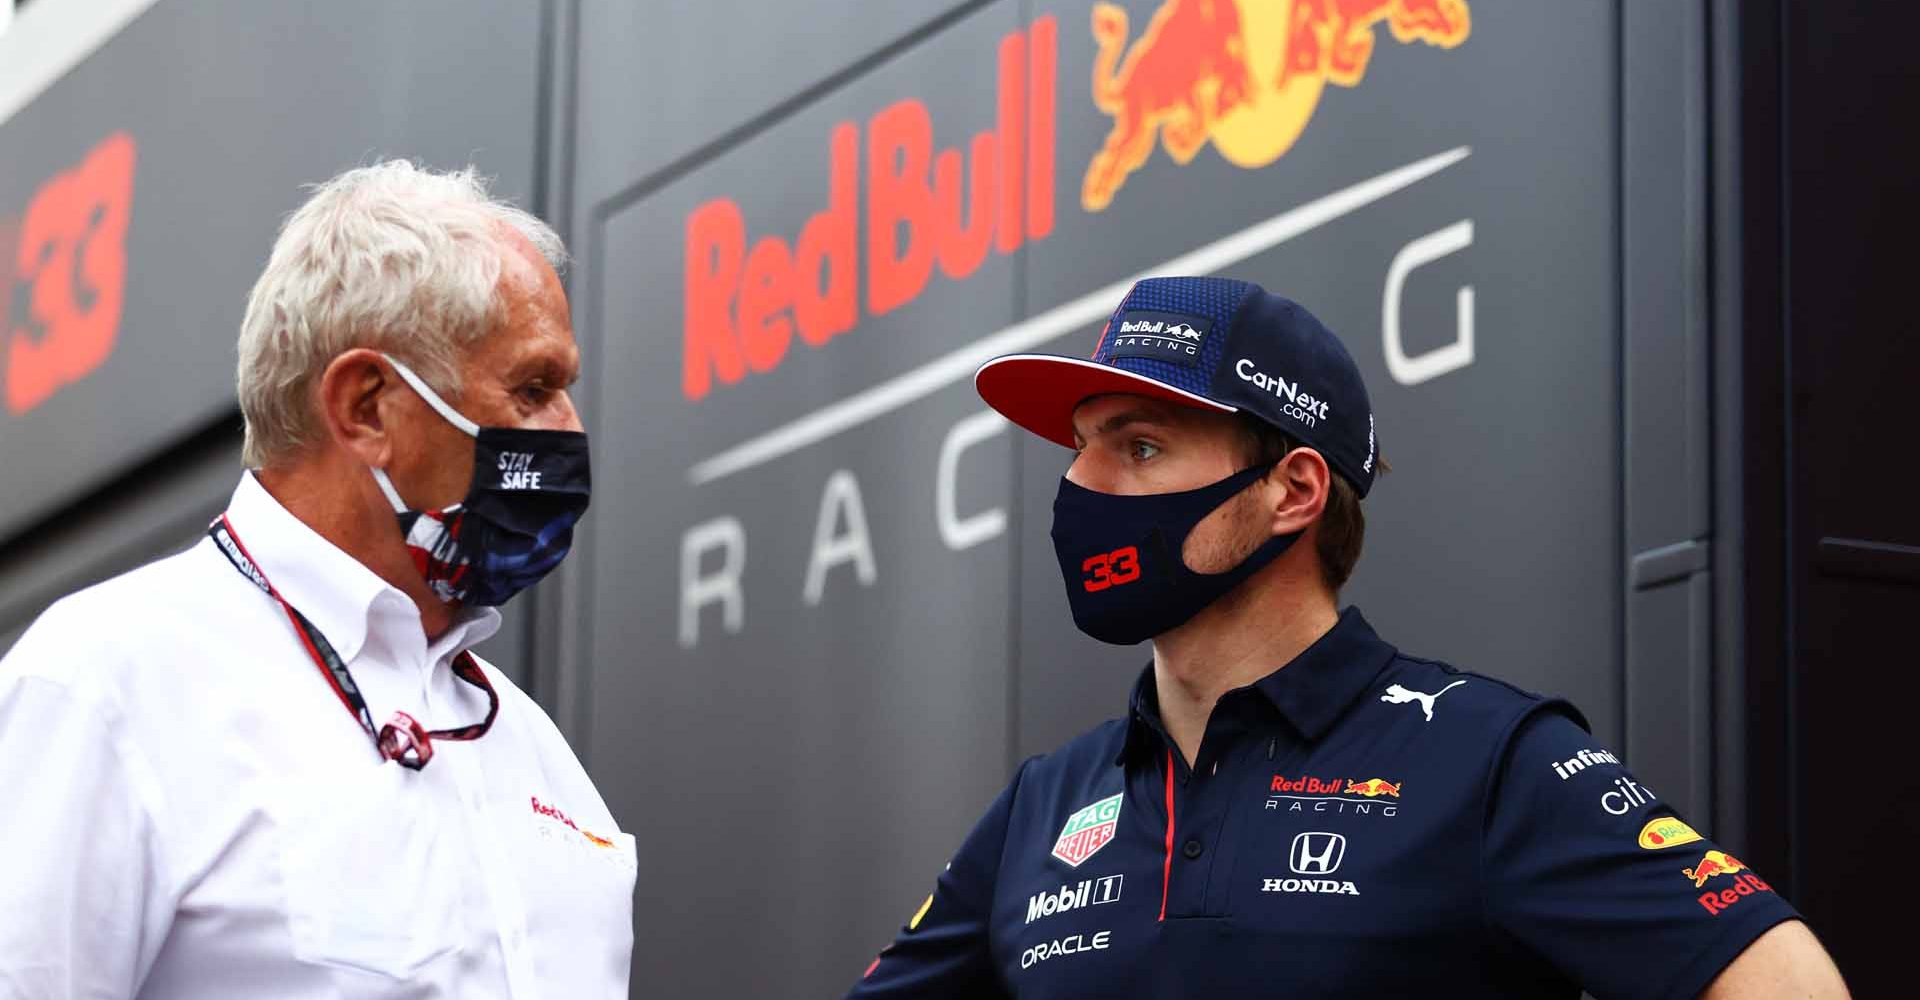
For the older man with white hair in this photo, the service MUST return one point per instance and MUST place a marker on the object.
(270, 765)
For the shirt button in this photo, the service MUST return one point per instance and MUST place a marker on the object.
(1191, 850)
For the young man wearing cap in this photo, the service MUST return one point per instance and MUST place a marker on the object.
(1291, 806)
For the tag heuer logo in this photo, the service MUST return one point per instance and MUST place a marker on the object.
(1088, 830)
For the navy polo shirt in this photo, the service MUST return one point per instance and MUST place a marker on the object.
(1357, 823)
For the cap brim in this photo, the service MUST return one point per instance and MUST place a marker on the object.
(1038, 392)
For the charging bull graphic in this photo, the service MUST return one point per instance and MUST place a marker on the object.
(1713, 863)
(1374, 787)
(1245, 74)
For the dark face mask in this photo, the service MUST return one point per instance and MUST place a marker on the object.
(529, 489)
(1121, 557)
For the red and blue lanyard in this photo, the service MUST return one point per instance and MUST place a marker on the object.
(402, 740)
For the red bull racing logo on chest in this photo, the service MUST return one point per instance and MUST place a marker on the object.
(1245, 75)
(1088, 830)
(1333, 795)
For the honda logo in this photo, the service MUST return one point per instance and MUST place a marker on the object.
(1316, 853)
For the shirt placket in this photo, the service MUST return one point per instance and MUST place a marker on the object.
(1202, 809)
(507, 904)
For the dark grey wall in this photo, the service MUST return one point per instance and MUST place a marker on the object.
(230, 107)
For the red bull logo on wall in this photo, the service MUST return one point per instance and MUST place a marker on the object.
(63, 270)
(911, 200)
(1246, 75)
(747, 300)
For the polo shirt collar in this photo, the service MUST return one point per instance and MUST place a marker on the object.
(340, 596)
(1311, 691)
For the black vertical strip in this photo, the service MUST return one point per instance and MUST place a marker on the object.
(1787, 483)
(1758, 347)
(1720, 534)
(1696, 165)
(1623, 594)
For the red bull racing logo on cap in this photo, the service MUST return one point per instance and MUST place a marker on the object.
(1715, 864)
(1158, 335)
(1088, 830)
(1246, 75)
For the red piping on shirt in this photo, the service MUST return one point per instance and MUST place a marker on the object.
(1166, 871)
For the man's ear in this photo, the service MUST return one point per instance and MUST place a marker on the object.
(1301, 483)
(352, 395)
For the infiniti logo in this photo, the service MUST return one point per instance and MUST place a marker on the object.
(1316, 853)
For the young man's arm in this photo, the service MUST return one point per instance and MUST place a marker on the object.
(1584, 864)
(1786, 961)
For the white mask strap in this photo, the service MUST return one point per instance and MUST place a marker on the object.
(433, 399)
(393, 495)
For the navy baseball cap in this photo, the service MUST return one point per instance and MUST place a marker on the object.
(1212, 344)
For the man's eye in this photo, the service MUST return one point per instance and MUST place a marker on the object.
(535, 394)
(1143, 450)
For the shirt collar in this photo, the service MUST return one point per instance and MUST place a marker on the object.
(1311, 691)
(340, 596)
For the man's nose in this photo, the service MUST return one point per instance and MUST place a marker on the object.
(1089, 473)
(570, 417)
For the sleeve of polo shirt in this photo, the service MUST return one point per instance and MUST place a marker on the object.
(942, 951)
(1596, 874)
(79, 916)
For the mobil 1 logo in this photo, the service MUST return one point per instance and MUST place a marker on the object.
(1090, 892)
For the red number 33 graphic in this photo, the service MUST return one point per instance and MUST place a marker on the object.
(1111, 569)
(73, 255)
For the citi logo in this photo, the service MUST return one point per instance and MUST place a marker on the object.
(1091, 892)
(1316, 853)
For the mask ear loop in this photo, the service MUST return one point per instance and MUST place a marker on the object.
(393, 495)
(447, 413)
(433, 399)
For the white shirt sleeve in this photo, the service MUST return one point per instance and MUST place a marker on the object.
(83, 902)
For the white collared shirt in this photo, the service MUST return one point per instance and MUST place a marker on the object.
(187, 810)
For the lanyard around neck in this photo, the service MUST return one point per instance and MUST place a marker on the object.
(402, 739)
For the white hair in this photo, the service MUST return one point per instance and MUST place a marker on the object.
(392, 257)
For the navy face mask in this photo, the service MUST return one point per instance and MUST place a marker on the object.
(1120, 557)
(515, 525)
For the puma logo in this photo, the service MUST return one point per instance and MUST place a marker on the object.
(1397, 695)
